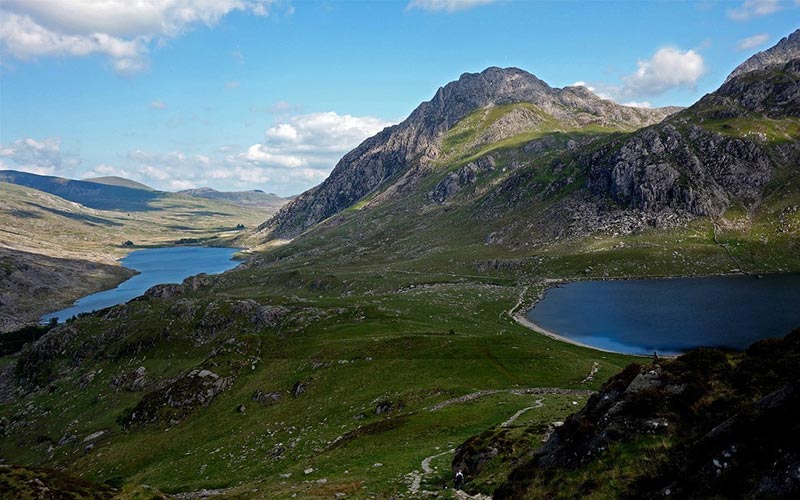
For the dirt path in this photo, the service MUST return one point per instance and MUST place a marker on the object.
(592, 372)
(537, 404)
(519, 392)
(727, 249)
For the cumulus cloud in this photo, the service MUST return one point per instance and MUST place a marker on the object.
(754, 8)
(119, 29)
(43, 157)
(669, 68)
(296, 153)
(446, 5)
(752, 42)
(158, 105)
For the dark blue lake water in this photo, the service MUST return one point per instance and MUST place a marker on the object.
(155, 266)
(671, 316)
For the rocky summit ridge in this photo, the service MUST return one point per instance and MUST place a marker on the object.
(418, 139)
(781, 53)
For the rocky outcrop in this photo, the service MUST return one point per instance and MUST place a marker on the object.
(731, 422)
(785, 50)
(681, 164)
(387, 155)
(772, 92)
(692, 169)
(458, 179)
(177, 400)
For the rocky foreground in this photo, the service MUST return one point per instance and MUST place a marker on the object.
(708, 424)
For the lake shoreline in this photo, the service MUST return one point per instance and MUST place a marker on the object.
(165, 271)
(520, 314)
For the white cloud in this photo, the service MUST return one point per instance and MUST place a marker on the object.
(754, 8)
(123, 30)
(238, 56)
(327, 132)
(43, 157)
(446, 5)
(581, 83)
(638, 104)
(752, 42)
(232, 85)
(158, 105)
(296, 154)
(669, 68)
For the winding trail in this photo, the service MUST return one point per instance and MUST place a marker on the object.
(537, 404)
(592, 372)
(727, 249)
(519, 392)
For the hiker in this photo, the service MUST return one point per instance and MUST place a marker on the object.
(459, 480)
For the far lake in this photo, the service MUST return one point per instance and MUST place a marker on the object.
(671, 316)
(155, 266)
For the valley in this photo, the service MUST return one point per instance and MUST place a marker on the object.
(368, 345)
(89, 241)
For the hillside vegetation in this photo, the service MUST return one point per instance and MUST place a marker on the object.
(375, 333)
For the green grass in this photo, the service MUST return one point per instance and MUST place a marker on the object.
(759, 128)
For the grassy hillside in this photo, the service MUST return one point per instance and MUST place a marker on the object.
(353, 360)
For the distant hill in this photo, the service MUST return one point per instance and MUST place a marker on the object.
(256, 197)
(113, 180)
(90, 194)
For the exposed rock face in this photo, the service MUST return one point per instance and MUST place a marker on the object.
(464, 176)
(772, 91)
(693, 169)
(390, 153)
(680, 164)
(785, 50)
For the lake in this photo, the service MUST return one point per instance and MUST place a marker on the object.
(671, 316)
(155, 266)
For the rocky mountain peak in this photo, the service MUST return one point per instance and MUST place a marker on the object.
(781, 53)
(385, 157)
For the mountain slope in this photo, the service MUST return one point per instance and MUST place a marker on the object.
(781, 53)
(113, 180)
(254, 198)
(351, 360)
(90, 194)
(417, 140)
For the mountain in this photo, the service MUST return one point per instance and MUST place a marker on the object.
(352, 360)
(253, 198)
(419, 141)
(89, 194)
(528, 173)
(113, 180)
(781, 53)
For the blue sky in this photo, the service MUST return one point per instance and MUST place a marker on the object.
(260, 94)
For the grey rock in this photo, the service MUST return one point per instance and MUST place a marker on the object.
(785, 50)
